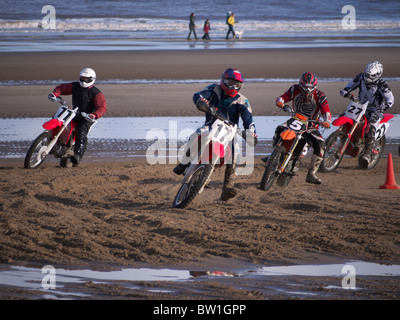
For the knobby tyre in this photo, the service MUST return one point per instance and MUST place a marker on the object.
(189, 190)
(379, 146)
(332, 158)
(35, 156)
(269, 175)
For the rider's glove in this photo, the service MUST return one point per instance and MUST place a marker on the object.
(344, 93)
(287, 108)
(52, 96)
(280, 102)
(383, 107)
(326, 124)
(92, 116)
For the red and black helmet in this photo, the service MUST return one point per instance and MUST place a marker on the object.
(308, 82)
(231, 82)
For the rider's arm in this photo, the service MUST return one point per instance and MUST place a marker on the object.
(286, 97)
(101, 106)
(247, 117)
(387, 95)
(63, 89)
(352, 85)
(324, 108)
(203, 94)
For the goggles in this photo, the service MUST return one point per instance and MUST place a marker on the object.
(307, 88)
(86, 79)
(233, 84)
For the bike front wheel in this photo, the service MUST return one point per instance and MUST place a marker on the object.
(189, 190)
(36, 153)
(274, 161)
(332, 157)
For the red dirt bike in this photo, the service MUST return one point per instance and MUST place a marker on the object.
(58, 138)
(349, 138)
(214, 149)
(281, 164)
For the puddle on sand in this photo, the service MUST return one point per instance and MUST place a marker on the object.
(276, 278)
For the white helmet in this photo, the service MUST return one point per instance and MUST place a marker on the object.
(373, 72)
(87, 77)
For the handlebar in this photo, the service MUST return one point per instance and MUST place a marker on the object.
(288, 109)
(205, 107)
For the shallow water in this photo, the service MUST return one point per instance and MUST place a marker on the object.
(289, 281)
(130, 137)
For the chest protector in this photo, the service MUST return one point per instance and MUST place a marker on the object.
(83, 97)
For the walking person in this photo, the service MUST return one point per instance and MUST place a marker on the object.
(230, 21)
(206, 30)
(192, 26)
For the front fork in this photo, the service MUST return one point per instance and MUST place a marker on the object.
(288, 155)
(349, 135)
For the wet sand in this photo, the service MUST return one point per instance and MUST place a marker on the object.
(119, 213)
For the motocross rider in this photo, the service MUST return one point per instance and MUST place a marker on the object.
(311, 103)
(90, 100)
(374, 89)
(225, 99)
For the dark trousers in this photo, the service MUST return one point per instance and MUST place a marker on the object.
(229, 31)
(190, 32)
(83, 127)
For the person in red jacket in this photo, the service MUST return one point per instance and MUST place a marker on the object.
(90, 100)
(311, 103)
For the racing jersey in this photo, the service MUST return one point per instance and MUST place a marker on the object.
(378, 94)
(232, 108)
(311, 106)
(89, 100)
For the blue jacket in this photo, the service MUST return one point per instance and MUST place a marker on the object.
(230, 107)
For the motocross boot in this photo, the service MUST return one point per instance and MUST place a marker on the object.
(80, 146)
(369, 147)
(180, 168)
(311, 175)
(228, 190)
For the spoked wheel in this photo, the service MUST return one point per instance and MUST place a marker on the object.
(332, 157)
(36, 153)
(190, 189)
(376, 155)
(269, 175)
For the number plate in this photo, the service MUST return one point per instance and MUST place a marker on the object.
(355, 110)
(296, 125)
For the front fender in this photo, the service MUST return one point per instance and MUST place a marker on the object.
(52, 124)
(342, 120)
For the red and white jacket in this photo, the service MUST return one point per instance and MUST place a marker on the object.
(312, 106)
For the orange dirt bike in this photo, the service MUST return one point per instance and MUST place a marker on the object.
(213, 149)
(349, 138)
(58, 138)
(291, 146)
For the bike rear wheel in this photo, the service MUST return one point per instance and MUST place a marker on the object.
(332, 158)
(36, 155)
(274, 161)
(189, 190)
(379, 147)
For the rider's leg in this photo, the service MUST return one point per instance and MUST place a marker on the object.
(318, 145)
(228, 190)
(80, 142)
(374, 120)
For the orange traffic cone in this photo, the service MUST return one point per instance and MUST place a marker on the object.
(390, 182)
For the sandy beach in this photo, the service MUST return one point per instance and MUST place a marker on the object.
(176, 99)
(119, 213)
